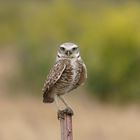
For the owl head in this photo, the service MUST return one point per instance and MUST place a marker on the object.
(68, 50)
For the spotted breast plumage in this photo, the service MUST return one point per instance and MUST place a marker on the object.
(67, 74)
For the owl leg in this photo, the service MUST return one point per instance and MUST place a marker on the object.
(59, 111)
(63, 100)
(68, 108)
(56, 102)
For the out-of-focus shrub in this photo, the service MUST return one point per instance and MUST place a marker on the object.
(108, 34)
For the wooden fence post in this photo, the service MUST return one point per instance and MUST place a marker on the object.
(65, 117)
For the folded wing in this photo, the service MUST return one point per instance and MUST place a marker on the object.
(53, 76)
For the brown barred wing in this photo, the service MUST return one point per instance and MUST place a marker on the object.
(53, 76)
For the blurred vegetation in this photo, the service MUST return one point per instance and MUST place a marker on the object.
(108, 34)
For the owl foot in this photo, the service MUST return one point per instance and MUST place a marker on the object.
(69, 111)
(61, 113)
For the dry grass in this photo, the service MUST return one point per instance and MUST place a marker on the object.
(29, 119)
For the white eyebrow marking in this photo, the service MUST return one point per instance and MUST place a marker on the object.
(68, 45)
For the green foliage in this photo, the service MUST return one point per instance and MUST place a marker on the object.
(108, 34)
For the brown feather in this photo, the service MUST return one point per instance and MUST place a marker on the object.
(52, 78)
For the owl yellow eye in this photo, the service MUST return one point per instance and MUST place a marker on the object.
(73, 49)
(62, 48)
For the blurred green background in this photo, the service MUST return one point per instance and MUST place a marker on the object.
(108, 33)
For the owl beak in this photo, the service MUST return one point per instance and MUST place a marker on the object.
(68, 53)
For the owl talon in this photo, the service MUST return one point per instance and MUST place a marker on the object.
(60, 114)
(69, 111)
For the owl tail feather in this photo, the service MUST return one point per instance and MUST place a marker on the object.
(47, 98)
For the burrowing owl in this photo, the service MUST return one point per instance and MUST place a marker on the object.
(67, 74)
